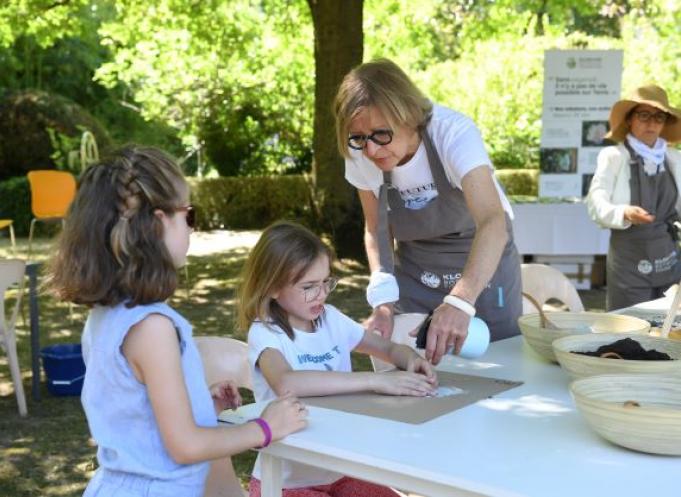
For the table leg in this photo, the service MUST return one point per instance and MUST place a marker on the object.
(270, 474)
(32, 271)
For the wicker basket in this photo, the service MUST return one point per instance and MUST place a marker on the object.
(574, 323)
(639, 412)
(580, 366)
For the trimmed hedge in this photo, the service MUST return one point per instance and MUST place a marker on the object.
(241, 202)
(251, 202)
(519, 181)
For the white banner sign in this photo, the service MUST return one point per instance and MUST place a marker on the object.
(580, 86)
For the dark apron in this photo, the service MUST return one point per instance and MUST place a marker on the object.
(643, 259)
(433, 244)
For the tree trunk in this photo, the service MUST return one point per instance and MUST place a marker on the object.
(338, 48)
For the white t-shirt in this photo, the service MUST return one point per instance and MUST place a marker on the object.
(326, 349)
(460, 147)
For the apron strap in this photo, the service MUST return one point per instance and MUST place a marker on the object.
(386, 258)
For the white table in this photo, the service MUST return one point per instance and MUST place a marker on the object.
(527, 441)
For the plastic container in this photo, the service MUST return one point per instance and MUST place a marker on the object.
(64, 368)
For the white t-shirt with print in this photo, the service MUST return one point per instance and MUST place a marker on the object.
(326, 349)
(460, 147)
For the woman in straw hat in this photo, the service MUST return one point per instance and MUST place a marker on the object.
(425, 180)
(635, 193)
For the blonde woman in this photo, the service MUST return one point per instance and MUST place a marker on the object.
(635, 193)
(425, 180)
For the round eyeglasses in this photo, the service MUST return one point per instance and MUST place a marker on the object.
(379, 137)
(312, 292)
(645, 116)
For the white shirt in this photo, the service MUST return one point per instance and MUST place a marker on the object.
(326, 349)
(460, 147)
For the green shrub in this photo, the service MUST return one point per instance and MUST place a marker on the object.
(250, 202)
(519, 181)
(15, 203)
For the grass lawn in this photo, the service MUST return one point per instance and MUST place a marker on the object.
(49, 452)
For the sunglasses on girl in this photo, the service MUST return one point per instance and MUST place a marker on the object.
(190, 218)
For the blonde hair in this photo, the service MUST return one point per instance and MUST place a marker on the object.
(381, 84)
(112, 248)
(283, 254)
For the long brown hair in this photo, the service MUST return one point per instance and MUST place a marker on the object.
(112, 249)
(283, 254)
(381, 84)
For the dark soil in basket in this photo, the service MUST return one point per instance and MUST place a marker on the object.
(627, 348)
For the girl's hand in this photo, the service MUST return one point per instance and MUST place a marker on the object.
(418, 364)
(225, 395)
(381, 320)
(403, 383)
(285, 415)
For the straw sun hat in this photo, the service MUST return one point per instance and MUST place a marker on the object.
(651, 95)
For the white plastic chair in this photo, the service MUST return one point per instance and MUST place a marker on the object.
(544, 283)
(404, 323)
(12, 275)
(224, 359)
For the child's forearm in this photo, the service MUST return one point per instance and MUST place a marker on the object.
(320, 383)
(201, 444)
(400, 355)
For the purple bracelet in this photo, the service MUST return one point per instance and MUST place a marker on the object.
(265, 429)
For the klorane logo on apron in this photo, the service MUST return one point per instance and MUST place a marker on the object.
(645, 266)
(429, 279)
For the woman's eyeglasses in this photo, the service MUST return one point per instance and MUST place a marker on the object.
(658, 117)
(190, 218)
(379, 137)
(312, 292)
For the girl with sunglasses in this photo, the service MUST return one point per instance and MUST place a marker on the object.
(425, 181)
(298, 343)
(144, 395)
(635, 193)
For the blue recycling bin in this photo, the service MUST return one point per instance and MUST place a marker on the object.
(64, 368)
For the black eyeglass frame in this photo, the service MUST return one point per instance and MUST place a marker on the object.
(365, 138)
(645, 116)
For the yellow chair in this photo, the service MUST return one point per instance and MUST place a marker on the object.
(12, 275)
(51, 195)
(224, 359)
(7, 223)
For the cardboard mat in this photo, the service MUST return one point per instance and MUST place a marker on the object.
(455, 391)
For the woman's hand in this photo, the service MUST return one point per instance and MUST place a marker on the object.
(637, 215)
(225, 395)
(381, 320)
(285, 415)
(404, 383)
(418, 364)
(448, 328)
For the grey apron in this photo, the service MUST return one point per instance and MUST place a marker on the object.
(643, 259)
(433, 244)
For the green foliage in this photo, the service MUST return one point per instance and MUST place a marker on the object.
(519, 181)
(33, 122)
(250, 203)
(16, 203)
(233, 77)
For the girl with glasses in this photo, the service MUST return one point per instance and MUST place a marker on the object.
(635, 193)
(144, 395)
(425, 181)
(300, 344)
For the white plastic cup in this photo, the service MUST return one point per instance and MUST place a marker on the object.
(477, 341)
